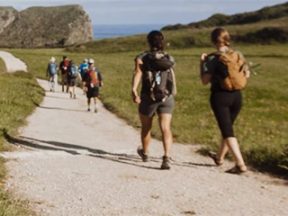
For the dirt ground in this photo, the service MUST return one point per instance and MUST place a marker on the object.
(73, 162)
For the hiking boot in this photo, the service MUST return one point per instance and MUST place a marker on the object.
(165, 163)
(142, 155)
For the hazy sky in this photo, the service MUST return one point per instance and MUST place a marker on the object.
(150, 11)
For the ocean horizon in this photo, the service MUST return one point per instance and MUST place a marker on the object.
(120, 30)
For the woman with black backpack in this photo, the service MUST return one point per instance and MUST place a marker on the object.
(227, 72)
(154, 68)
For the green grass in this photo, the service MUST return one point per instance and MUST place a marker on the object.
(262, 124)
(19, 93)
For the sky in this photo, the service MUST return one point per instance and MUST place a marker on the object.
(150, 11)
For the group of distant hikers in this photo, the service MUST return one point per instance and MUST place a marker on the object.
(87, 75)
(225, 69)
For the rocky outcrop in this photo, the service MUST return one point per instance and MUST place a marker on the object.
(7, 16)
(38, 27)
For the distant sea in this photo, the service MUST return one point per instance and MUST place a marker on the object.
(112, 31)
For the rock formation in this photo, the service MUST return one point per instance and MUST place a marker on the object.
(44, 27)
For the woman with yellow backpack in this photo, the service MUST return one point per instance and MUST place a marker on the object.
(227, 72)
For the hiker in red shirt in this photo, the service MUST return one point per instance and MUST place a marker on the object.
(64, 64)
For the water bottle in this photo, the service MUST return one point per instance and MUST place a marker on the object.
(158, 78)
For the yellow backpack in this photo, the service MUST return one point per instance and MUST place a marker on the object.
(236, 65)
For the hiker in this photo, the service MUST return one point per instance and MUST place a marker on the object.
(225, 100)
(92, 81)
(154, 68)
(83, 68)
(72, 76)
(64, 70)
(52, 73)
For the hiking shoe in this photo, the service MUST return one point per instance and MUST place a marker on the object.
(214, 157)
(237, 170)
(142, 154)
(165, 163)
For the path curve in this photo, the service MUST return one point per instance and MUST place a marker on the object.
(74, 162)
(12, 63)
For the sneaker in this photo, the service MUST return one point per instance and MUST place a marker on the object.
(142, 154)
(237, 170)
(74, 96)
(214, 157)
(165, 163)
(95, 110)
(70, 94)
(88, 109)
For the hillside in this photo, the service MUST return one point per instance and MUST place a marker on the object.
(266, 26)
(264, 32)
(44, 27)
(267, 13)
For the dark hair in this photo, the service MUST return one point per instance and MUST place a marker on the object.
(64, 57)
(156, 40)
(220, 36)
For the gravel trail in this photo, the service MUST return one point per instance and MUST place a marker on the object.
(12, 64)
(73, 162)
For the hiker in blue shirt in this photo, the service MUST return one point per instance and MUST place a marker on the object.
(83, 68)
(52, 69)
(72, 75)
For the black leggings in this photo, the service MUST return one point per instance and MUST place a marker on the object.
(226, 106)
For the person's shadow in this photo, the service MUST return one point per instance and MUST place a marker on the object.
(73, 149)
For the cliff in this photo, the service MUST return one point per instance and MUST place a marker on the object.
(38, 27)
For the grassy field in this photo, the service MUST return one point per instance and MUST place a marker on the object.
(18, 95)
(263, 122)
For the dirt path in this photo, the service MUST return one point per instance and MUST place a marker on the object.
(74, 162)
(12, 64)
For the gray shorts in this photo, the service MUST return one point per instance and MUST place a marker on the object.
(148, 107)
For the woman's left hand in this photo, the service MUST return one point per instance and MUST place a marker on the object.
(203, 56)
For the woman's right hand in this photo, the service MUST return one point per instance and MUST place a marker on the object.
(136, 98)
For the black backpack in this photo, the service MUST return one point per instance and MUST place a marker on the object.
(157, 75)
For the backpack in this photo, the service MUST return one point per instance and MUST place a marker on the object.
(157, 75)
(236, 79)
(93, 78)
(52, 69)
(83, 68)
(64, 66)
(73, 72)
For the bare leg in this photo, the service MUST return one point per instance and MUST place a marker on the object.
(73, 90)
(146, 123)
(70, 90)
(88, 103)
(235, 149)
(223, 150)
(95, 102)
(165, 126)
(62, 82)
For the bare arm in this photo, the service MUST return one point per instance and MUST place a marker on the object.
(136, 80)
(205, 77)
